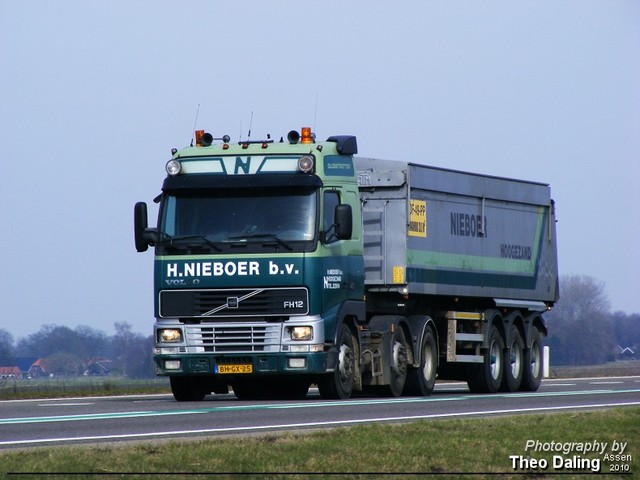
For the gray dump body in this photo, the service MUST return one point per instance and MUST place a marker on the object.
(451, 233)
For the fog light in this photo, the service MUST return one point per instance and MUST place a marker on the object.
(169, 335)
(301, 333)
(297, 362)
(172, 364)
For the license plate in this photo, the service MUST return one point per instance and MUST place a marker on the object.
(234, 369)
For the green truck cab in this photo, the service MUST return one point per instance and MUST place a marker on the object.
(256, 262)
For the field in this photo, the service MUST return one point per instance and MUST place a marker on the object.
(471, 448)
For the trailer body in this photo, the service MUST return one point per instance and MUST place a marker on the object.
(450, 233)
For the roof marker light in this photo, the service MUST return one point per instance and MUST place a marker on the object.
(306, 135)
(199, 134)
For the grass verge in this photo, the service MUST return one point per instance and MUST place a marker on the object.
(469, 448)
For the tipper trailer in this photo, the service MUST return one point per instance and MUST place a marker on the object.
(284, 264)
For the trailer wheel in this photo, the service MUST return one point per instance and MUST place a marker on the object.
(187, 389)
(514, 362)
(421, 380)
(487, 376)
(532, 373)
(339, 383)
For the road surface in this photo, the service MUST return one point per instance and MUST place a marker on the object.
(30, 423)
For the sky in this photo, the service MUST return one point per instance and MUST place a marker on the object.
(93, 96)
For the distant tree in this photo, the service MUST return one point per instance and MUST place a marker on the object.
(6, 348)
(132, 351)
(64, 364)
(627, 330)
(83, 342)
(581, 331)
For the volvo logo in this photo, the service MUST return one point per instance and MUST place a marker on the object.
(232, 302)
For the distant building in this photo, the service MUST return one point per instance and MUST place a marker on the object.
(10, 372)
(99, 367)
(626, 353)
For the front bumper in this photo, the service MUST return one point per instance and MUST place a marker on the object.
(269, 364)
(267, 347)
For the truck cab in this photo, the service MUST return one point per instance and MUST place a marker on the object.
(256, 258)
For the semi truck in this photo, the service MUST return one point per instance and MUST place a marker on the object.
(281, 265)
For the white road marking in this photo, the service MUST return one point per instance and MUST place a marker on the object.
(314, 424)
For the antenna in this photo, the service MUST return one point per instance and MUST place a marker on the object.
(250, 123)
(315, 112)
(195, 122)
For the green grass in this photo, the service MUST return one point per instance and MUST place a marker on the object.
(11, 389)
(479, 447)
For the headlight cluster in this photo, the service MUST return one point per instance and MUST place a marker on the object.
(301, 333)
(169, 335)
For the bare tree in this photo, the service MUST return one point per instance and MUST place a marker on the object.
(6, 348)
(580, 326)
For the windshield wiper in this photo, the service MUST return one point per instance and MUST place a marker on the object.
(271, 236)
(169, 240)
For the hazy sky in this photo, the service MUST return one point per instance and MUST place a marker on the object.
(93, 96)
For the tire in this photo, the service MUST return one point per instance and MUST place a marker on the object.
(514, 362)
(244, 390)
(487, 376)
(398, 360)
(295, 389)
(533, 364)
(187, 389)
(339, 384)
(274, 388)
(422, 380)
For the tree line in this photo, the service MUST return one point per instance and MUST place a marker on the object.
(64, 351)
(582, 331)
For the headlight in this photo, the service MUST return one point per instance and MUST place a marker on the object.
(173, 167)
(301, 333)
(170, 335)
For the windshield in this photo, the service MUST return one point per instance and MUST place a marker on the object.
(229, 216)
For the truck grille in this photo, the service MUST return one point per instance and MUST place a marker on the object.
(248, 302)
(234, 338)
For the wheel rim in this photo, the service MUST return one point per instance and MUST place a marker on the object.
(399, 365)
(495, 360)
(429, 364)
(535, 360)
(345, 363)
(515, 359)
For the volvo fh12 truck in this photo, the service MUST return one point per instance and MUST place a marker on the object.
(279, 265)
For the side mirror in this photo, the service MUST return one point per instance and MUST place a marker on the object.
(343, 221)
(140, 224)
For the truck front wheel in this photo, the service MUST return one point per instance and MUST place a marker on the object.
(187, 389)
(339, 383)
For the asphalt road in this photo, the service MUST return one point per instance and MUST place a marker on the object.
(31, 423)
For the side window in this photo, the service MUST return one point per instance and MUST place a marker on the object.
(331, 200)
